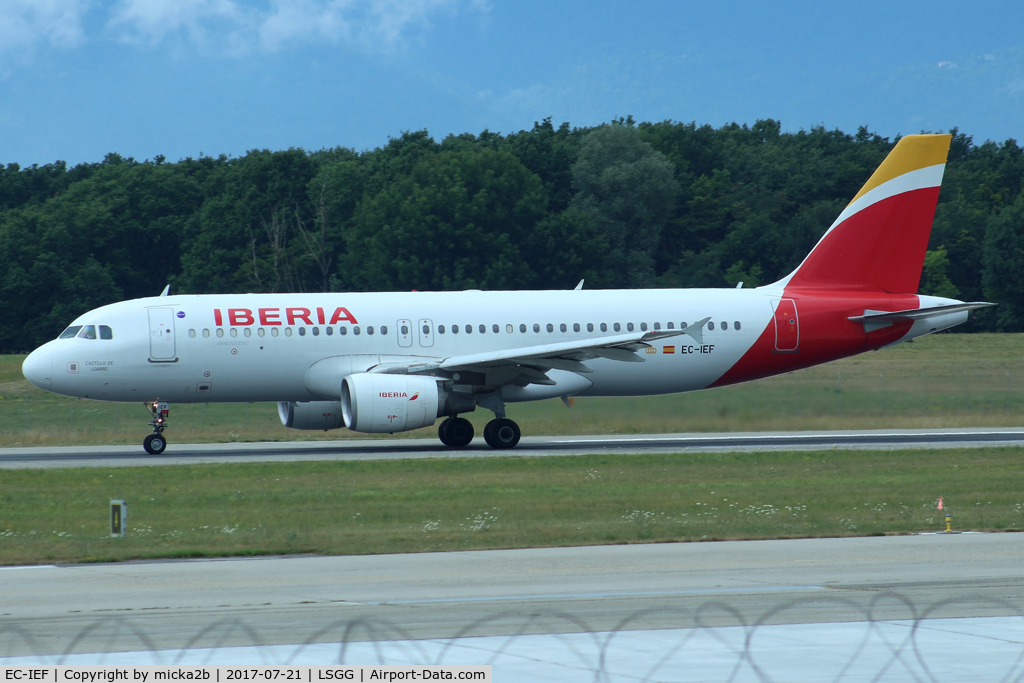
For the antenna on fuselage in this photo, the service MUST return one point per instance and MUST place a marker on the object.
(578, 286)
(167, 290)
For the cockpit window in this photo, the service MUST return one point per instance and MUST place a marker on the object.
(106, 332)
(88, 332)
(70, 332)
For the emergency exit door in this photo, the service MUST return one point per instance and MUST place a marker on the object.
(787, 326)
(161, 335)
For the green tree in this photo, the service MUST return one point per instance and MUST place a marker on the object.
(628, 189)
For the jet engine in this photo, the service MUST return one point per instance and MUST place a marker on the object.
(310, 414)
(389, 403)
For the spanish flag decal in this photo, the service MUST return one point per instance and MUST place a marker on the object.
(668, 349)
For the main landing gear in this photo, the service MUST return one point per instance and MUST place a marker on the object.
(155, 443)
(457, 432)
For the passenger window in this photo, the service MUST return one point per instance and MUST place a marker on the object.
(262, 332)
(629, 327)
(88, 332)
(342, 330)
(70, 332)
(191, 333)
(234, 332)
(657, 326)
(440, 329)
(682, 325)
(671, 326)
(550, 327)
(356, 330)
(604, 327)
(455, 329)
(369, 329)
(302, 331)
(384, 329)
(328, 330)
(736, 325)
(495, 329)
(522, 328)
(220, 331)
(536, 327)
(483, 329)
(590, 327)
(247, 331)
(405, 330)
(107, 333)
(711, 326)
(575, 327)
(426, 329)
(273, 331)
(617, 327)
(643, 327)
(206, 332)
(562, 327)
(316, 331)
(287, 331)
(469, 329)
(725, 325)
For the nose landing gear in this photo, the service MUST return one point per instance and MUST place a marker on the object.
(155, 443)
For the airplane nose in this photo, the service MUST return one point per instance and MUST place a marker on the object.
(38, 369)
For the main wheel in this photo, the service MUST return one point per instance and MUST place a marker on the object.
(442, 432)
(154, 444)
(459, 432)
(502, 433)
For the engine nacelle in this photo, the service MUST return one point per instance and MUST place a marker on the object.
(310, 414)
(389, 403)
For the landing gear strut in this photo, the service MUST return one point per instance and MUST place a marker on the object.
(455, 432)
(155, 443)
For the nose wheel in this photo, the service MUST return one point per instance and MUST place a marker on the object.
(155, 443)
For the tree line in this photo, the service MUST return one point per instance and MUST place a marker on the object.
(623, 204)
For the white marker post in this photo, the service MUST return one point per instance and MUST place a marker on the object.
(118, 517)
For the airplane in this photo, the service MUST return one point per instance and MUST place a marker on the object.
(391, 362)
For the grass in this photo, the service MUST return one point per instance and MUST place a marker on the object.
(947, 380)
(435, 505)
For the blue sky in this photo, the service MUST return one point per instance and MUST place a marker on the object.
(81, 78)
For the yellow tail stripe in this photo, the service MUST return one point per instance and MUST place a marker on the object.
(911, 153)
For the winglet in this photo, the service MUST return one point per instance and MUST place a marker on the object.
(696, 330)
(579, 285)
(167, 290)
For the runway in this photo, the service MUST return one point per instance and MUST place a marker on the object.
(146, 606)
(387, 449)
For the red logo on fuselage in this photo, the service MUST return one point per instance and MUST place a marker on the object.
(292, 316)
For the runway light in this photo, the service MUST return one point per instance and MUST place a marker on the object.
(118, 517)
(949, 523)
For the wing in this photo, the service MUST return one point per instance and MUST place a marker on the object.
(527, 365)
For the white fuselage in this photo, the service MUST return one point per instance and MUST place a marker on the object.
(260, 347)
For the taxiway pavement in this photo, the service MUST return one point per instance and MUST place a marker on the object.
(136, 606)
(395, 449)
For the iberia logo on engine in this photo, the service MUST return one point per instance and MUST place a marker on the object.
(394, 394)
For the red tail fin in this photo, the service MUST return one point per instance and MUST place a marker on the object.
(879, 241)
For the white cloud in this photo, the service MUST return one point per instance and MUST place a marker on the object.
(152, 20)
(26, 23)
(373, 25)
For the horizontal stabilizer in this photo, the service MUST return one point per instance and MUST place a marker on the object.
(876, 320)
(917, 313)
